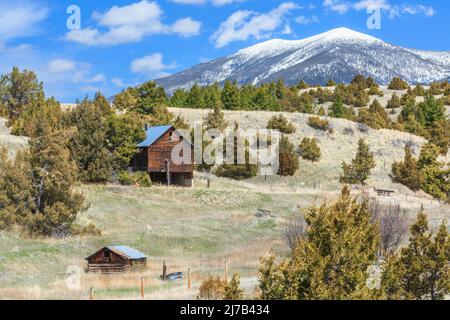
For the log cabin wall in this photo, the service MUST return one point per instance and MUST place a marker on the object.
(106, 256)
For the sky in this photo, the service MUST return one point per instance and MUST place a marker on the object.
(79, 47)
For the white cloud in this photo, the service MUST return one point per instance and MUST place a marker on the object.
(186, 27)
(303, 20)
(216, 3)
(21, 18)
(61, 65)
(152, 66)
(131, 23)
(343, 6)
(245, 24)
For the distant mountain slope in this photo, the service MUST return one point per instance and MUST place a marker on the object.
(338, 54)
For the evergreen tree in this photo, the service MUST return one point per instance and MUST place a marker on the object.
(88, 145)
(430, 111)
(215, 119)
(195, 98)
(233, 290)
(123, 133)
(398, 84)
(126, 100)
(309, 149)
(331, 262)
(103, 104)
(421, 270)
(359, 170)
(394, 102)
(407, 172)
(288, 158)
(179, 99)
(149, 96)
(231, 96)
(280, 123)
(18, 91)
(440, 135)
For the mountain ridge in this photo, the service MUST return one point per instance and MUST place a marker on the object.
(337, 54)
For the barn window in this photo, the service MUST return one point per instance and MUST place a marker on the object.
(106, 255)
(170, 135)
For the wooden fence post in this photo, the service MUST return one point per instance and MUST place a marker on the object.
(189, 278)
(91, 293)
(164, 270)
(142, 288)
(226, 271)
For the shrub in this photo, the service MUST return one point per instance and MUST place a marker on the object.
(375, 91)
(331, 83)
(288, 159)
(398, 84)
(309, 149)
(318, 123)
(361, 99)
(213, 288)
(394, 102)
(233, 290)
(281, 124)
(140, 179)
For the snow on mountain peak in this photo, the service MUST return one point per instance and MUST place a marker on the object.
(276, 46)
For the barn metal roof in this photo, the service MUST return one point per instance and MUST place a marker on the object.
(153, 134)
(127, 252)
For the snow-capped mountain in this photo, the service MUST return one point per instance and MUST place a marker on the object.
(338, 54)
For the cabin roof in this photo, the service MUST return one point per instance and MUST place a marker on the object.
(124, 251)
(153, 134)
(128, 252)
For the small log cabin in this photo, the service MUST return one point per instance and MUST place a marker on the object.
(113, 259)
(155, 157)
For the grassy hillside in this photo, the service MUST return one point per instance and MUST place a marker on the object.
(199, 228)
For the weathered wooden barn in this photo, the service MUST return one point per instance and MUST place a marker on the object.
(155, 157)
(113, 259)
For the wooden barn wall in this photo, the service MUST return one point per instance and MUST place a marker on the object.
(161, 151)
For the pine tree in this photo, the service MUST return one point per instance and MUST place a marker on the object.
(359, 170)
(233, 290)
(310, 149)
(18, 91)
(88, 145)
(407, 172)
(430, 111)
(179, 99)
(215, 119)
(103, 104)
(331, 262)
(421, 271)
(440, 135)
(398, 84)
(394, 102)
(288, 158)
(123, 133)
(195, 98)
(149, 96)
(126, 100)
(231, 96)
(280, 123)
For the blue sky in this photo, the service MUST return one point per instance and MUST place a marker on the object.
(125, 42)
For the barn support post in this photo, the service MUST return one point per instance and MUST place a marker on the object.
(189, 278)
(169, 182)
(164, 270)
(142, 288)
(91, 293)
